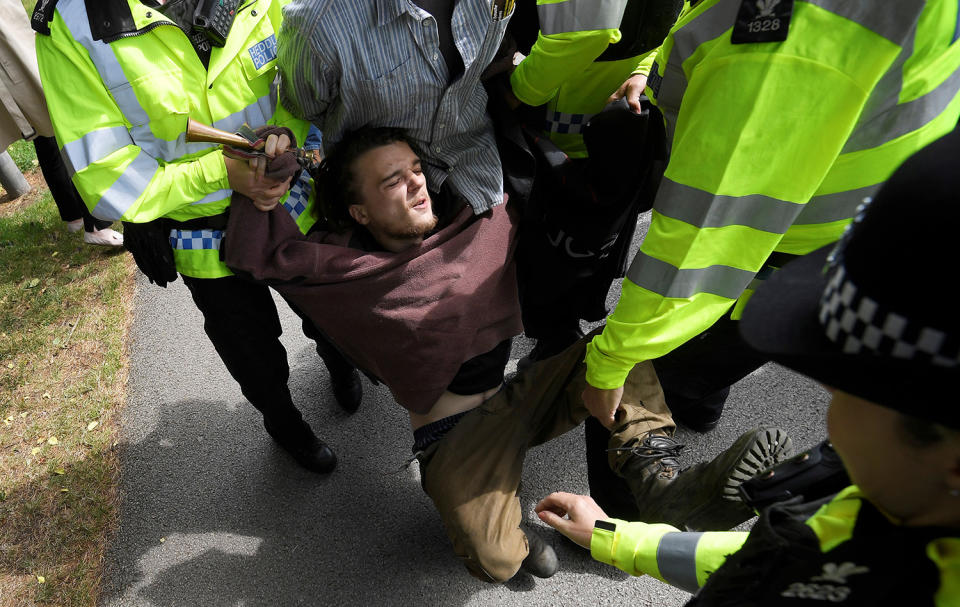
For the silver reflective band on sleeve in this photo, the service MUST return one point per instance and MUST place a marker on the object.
(710, 24)
(580, 15)
(705, 210)
(677, 559)
(892, 20)
(828, 208)
(214, 197)
(904, 118)
(127, 189)
(95, 145)
(668, 280)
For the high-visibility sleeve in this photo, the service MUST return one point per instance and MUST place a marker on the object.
(127, 183)
(553, 58)
(760, 140)
(681, 559)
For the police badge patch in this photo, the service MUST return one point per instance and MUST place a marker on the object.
(762, 21)
(264, 51)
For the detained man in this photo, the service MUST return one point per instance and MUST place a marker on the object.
(421, 294)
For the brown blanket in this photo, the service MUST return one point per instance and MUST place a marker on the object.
(409, 318)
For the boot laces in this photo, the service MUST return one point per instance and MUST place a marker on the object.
(654, 448)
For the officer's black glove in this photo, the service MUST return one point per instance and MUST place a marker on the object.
(150, 245)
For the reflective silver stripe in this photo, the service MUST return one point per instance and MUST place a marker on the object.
(834, 207)
(905, 117)
(705, 210)
(892, 20)
(214, 197)
(256, 114)
(95, 145)
(710, 24)
(580, 15)
(670, 281)
(127, 189)
(677, 559)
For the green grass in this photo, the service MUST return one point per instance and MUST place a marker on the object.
(64, 314)
(23, 155)
(28, 5)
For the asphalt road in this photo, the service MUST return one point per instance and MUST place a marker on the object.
(214, 514)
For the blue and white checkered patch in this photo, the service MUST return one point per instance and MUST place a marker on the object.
(564, 123)
(191, 240)
(264, 51)
(296, 202)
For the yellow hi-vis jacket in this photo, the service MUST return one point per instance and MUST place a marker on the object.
(562, 70)
(773, 146)
(687, 560)
(119, 106)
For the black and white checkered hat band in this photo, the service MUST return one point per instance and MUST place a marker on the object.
(859, 324)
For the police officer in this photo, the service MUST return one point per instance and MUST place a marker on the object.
(121, 79)
(781, 118)
(854, 317)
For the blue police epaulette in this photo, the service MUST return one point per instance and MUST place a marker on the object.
(42, 16)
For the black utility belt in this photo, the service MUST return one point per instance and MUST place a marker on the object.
(212, 222)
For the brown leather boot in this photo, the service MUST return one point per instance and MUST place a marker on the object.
(704, 496)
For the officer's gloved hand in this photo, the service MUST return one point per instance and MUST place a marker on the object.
(149, 243)
(266, 177)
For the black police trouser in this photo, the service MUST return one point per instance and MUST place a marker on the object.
(241, 320)
(707, 364)
(65, 195)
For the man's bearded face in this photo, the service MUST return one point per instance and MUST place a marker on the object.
(393, 192)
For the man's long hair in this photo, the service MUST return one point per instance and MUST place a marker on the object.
(335, 180)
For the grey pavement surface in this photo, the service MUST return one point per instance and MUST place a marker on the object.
(214, 514)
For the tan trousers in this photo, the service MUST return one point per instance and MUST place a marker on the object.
(472, 474)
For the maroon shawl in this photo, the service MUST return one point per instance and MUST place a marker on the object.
(409, 318)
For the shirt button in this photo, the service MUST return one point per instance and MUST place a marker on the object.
(435, 55)
(441, 126)
(437, 149)
(253, 13)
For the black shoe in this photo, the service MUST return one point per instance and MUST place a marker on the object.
(541, 561)
(703, 497)
(702, 415)
(301, 443)
(347, 388)
(547, 347)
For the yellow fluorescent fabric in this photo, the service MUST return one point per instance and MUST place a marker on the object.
(149, 84)
(818, 114)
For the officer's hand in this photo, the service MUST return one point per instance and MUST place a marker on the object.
(603, 404)
(273, 147)
(631, 89)
(263, 191)
(571, 515)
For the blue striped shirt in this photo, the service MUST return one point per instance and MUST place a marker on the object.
(347, 64)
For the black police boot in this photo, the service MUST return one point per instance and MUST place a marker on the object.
(541, 561)
(344, 381)
(700, 415)
(705, 496)
(298, 440)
